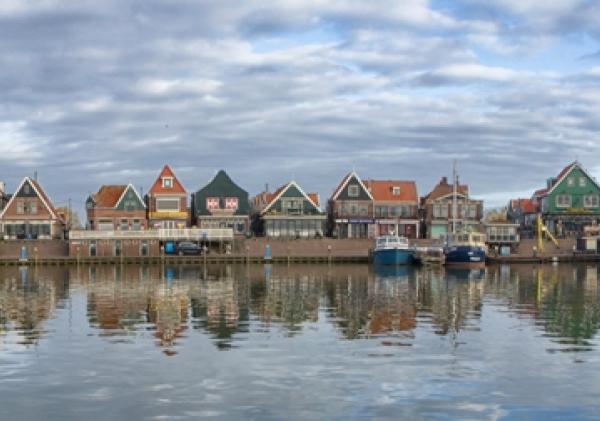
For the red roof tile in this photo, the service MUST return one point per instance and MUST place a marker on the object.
(157, 187)
(444, 189)
(383, 190)
(108, 196)
(527, 206)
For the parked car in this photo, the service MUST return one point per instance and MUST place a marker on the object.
(187, 247)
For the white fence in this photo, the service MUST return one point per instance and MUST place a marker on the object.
(192, 234)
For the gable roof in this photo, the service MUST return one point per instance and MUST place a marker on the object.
(383, 190)
(313, 198)
(40, 193)
(128, 187)
(157, 187)
(563, 174)
(443, 188)
(221, 186)
(108, 196)
(345, 181)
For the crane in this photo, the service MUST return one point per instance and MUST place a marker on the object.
(541, 229)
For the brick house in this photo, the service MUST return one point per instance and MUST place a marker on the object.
(166, 201)
(437, 207)
(116, 208)
(395, 207)
(30, 214)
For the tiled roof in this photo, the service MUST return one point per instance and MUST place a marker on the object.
(527, 206)
(108, 196)
(444, 189)
(383, 190)
(157, 187)
(540, 192)
(315, 198)
(264, 199)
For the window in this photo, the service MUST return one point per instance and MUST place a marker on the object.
(20, 207)
(364, 210)
(93, 249)
(26, 189)
(167, 182)
(570, 182)
(396, 191)
(353, 209)
(472, 211)
(33, 208)
(582, 182)
(144, 248)
(124, 225)
(353, 190)
(167, 205)
(440, 211)
(563, 201)
(291, 206)
(590, 201)
(381, 211)
(136, 225)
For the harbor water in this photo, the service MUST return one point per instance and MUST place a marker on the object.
(299, 342)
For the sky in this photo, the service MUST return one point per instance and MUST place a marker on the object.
(108, 92)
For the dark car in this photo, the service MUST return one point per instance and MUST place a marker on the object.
(188, 248)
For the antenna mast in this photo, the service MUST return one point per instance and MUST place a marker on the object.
(454, 189)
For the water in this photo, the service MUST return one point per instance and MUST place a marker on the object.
(299, 342)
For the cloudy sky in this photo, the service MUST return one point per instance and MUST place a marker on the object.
(99, 92)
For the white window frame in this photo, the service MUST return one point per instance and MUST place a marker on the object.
(396, 190)
(165, 199)
(559, 203)
(594, 199)
(353, 190)
(164, 184)
(582, 181)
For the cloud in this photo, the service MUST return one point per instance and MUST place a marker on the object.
(314, 87)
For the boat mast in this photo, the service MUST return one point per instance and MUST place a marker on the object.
(454, 203)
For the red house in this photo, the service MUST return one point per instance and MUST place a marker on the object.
(167, 201)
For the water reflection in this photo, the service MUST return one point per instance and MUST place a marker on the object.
(229, 303)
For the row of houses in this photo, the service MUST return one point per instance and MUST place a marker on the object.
(567, 204)
(357, 209)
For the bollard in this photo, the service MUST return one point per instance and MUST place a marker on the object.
(329, 253)
(267, 257)
(247, 254)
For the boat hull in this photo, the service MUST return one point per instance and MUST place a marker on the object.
(393, 257)
(465, 256)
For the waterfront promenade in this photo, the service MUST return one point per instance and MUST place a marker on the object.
(291, 251)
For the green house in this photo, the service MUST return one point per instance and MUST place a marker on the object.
(222, 204)
(570, 201)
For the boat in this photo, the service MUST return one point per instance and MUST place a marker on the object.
(393, 250)
(467, 249)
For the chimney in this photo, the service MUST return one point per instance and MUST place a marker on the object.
(2, 187)
(267, 187)
(35, 176)
(444, 181)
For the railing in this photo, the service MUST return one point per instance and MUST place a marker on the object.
(502, 238)
(160, 234)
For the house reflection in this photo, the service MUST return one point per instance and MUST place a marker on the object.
(562, 299)
(28, 298)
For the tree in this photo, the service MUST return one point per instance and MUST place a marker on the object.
(71, 217)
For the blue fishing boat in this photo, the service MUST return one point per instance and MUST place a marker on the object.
(465, 249)
(393, 250)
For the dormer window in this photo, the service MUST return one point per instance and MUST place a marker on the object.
(396, 191)
(167, 182)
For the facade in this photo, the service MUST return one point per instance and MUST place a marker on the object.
(350, 209)
(116, 208)
(438, 213)
(523, 212)
(395, 207)
(570, 201)
(222, 204)
(502, 233)
(289, 212)
(167, 202)
(29, 214)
